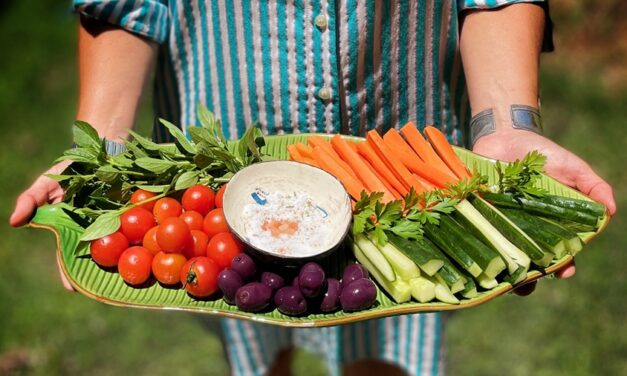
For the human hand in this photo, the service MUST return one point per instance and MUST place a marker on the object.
(43, 190)
(561, 164)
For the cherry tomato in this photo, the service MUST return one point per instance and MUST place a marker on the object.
(106, 251)
(150, 241)
(135, 265)
(199, 276)
(141, 195)
(165, 208)
(193, 219)
(214, 223)
(223, 247)
(199, 198)
(198, 247)
(219, 196)
(135, 223)
(166, 267)
(173, 235)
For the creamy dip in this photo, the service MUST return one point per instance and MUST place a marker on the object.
(289, 224)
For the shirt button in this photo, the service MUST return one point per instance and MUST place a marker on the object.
(321, 21)
(325, 94)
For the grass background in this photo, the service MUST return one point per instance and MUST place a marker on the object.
(574, 327)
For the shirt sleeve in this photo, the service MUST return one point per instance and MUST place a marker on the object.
(547, 42)
(149, 18)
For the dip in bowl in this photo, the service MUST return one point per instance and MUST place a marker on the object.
(286, 212)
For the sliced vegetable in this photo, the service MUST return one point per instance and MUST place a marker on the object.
(487, 282)
(399, 290)
(377, 163)
(403, 266)
(445, 151)
(470, 289)
(449, 244)
(442, 292)
(513, 233)
(422, 289)
(319, 142)
(541, 208)
(586, 206)
(375, 256)
(421, 251)
(480, 226)
(327, 163)
(423, 149)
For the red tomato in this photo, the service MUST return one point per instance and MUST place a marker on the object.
(223, 247)
(199, 276)
(199, 198)
(135, 223)
(193, 219)
(141, 195)
(215, 223)
(166, 267)
(150, 241)
(219, 196)
(173, 235)
(106, 251)
(165, 208)
(198, 246)
(135, 265)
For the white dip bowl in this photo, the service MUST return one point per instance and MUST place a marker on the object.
(311, 205)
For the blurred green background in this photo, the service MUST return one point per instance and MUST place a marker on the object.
(574, 327)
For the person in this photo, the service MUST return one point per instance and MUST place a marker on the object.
(324, 66)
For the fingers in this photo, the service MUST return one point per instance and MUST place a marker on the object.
(567, 271)
(26, 204)
(64, 280)
(602, 192)
(525, 289)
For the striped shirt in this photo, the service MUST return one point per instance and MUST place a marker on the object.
(296, 66)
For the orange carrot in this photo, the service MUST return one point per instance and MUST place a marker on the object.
(353, 145)
(305, 150)
(369, 179)
(377, 163)
(399, 147)
(446, 152)
(423, 149)
(330, 165)
(426, 183)
(324, 145)
(393, 163)
(294, 153)
(389, 187)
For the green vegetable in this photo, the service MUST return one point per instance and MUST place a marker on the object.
(422, 289)
(470, 289)
(402, 265)
(486, 282)
(421, 251)
(586, 206)
(520, 177)
(442, 292)
(375, 257)
(514, 234)
(449, 244)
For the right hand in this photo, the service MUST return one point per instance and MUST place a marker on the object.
(43, 190)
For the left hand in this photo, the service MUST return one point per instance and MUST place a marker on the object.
(566, 167)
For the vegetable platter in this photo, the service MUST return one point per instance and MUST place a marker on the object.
(454, 210)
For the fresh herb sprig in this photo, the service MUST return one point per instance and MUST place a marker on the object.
(99, 185)
(520, 177)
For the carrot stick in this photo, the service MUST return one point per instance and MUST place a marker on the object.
(426, 183)
(294, 153)
(423, 149)
(377, 163)
(446, 152)
(407, 156)
(330, 165)
(389, 187)
(393, 163)
(353, 145)
(369, 179)
(317, 141)
(305, 150)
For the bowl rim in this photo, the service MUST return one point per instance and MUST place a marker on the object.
(267, 254)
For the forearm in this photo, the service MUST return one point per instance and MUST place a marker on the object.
(500, 52)
(114, 66)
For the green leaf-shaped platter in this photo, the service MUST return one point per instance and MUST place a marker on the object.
(107, 286)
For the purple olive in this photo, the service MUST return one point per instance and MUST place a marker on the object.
(253, 297)
(245, 266)
(290, 301)
(331, 299)
(228, 282)
(358, 295)
(272, 280)
(311, 279)
(353, 272)
(295, 283)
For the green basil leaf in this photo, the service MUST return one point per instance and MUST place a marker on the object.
(209, 121)
(155, 188)
(180, 137)
(104, 225)
(186, 180)
(86, 136)
(157, 166)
